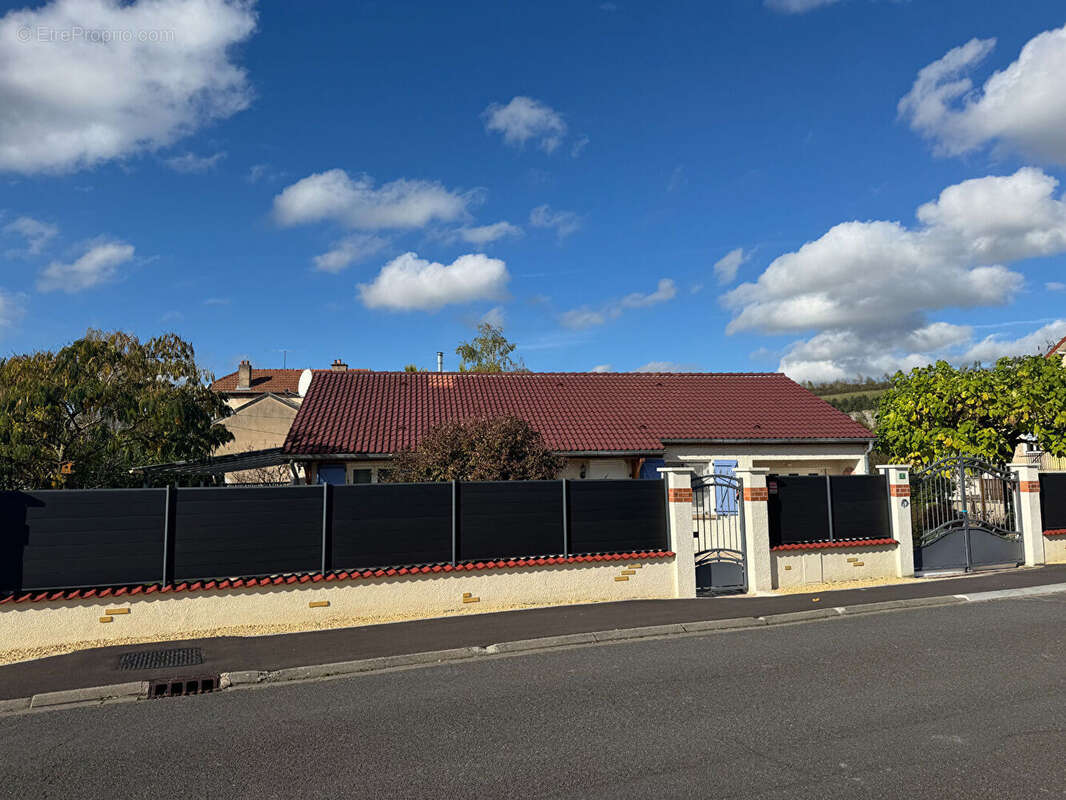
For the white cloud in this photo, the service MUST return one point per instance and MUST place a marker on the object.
(355, 203)
(409, 283)
(601, 368)
(523, 119)
(1036, 343)
(192, 163)
(1055, 286)
(866, 288)
(349, 250)
(579, 145)
(1022, 107)
(97, 265)
(495, 316)
(35, 233)
(797, 6)
(564, 222)
(73, 104)
(12, 309)
(665, 366)
(586, 317)
(725, 268)
(486, 234)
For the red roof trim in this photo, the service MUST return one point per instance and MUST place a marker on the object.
(832, 545)
(1056, 532)
(1055, 348)
(336, 575)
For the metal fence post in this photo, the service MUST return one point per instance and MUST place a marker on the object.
(566, 518)
(455, 522)
(168, 535)
(829, 504)
(327, 497)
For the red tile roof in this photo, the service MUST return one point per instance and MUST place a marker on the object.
(382, 412)
(1060, 347)
(278, 381)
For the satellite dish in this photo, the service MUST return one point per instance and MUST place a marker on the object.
(305, 382)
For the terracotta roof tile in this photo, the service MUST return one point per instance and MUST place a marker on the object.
(382, 412)
(1058, 348)
(278, 381)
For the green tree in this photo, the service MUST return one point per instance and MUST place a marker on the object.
(497, 449)
(489, 351)
(940, 410)
(82, 416)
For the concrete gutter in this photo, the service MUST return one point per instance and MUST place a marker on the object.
(126, 692)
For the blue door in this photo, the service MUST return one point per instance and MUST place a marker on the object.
(725, 497)
(649, 470)
(332, 473)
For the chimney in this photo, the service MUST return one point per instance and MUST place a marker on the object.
(440, 361)
(244, 375)
(339, 366)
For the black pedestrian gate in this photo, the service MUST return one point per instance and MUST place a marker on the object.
(964, 516)
(718, 522)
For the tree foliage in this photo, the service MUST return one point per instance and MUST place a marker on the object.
(82, 416)
(940, 410)
(489, 351)
(496, 449)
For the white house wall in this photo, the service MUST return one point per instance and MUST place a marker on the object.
(784, 458)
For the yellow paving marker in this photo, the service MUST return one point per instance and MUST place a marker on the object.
(622, 578)
(469, 599)
(318, 604)
(105, 619)
(628, 572)
(467, 594)
(117, 611)
(859, 564)
(636, 566)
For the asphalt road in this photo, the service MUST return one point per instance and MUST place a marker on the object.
(952, 702)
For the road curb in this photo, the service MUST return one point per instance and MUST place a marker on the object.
(138, 690)
(135, 690)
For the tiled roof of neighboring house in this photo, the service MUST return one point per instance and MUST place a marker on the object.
(278, 381)
(382, 412)
(1058, 348)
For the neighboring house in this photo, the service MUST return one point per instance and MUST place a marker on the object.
(607, 425)
(1058, 349)
(264, 403)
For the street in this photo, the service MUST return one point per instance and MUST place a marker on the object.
(963, 701)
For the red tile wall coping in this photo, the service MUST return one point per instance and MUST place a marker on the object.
(1056, 532)
(318, 577)
(831, 545)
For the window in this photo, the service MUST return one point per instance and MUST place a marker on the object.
(331, 473)
(361, 475)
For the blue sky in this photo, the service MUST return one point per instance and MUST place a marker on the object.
(718, 186)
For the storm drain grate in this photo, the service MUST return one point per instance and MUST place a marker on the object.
(179, 687)
(160, 659)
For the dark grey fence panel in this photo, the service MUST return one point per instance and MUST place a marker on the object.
(860, 507)
(69, 538)
(391, 524)
(615, 516)
(947, 552)
(510, 519)
(1053, 500)
(222, 532)
(798, 509)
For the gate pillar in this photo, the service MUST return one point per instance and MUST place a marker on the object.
(1029, 520)
(756, 520)
(679, 525)
(899, 515)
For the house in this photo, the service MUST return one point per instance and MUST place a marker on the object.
(606, 425)
(246, 384)
(1058, 349)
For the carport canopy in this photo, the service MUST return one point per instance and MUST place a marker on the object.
(216, 465)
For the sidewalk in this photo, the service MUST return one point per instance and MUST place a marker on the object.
(99, 667)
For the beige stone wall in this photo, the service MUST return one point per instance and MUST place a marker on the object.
(1055, 549)
(258, 426)
(354, 602)
(797, 567)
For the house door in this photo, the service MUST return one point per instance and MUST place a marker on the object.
(332, 473)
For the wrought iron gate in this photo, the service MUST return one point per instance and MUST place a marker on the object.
(964, 516)
(718, 522)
